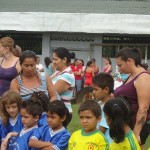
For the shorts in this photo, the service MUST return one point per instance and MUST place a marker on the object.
(145, 133)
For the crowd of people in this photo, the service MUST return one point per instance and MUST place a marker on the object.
(35, 101)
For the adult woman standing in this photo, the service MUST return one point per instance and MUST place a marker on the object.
(108, 67)
(137, 89)
(9, 64)
(30, 80)
(63, 79)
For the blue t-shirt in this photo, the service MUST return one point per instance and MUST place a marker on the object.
(21, 142)
(12, 126)
(43, 120)
(59, 138)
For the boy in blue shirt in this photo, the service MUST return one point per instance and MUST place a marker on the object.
(30, 112)
(103, 85)
(54, 136)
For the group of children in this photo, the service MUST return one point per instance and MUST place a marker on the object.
(37, 123)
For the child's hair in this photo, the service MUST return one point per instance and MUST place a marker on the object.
(60, 109)
(47, 61)
(91, 105)
(104, 80)
(108, 59)
(9, 98)
(42, 98)
(118, 111)
(32, 107)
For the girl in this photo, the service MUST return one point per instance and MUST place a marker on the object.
(10, 108)
(117, 113)
(43, 99)
(54, 136)
(30, 112)
(89, 74)
(108, 67)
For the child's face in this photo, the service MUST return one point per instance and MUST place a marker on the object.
(98, 92)
(27, 119)
(12, 109)
(54, 121)
(88, 120)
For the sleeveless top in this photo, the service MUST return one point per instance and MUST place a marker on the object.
(26, 93)
(105, 68)
(129, 91)
(6, 76)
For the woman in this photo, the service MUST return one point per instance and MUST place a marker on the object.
(89, 74)
(108, 67)
(137, 89)
(9, 64)
(77, 70)
(63, 79)
(30, 80)
(49, 67)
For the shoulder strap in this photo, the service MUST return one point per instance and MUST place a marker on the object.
(43, 80)
(2, 61)
(16, 62)
(140, 74)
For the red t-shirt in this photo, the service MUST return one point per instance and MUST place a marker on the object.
(76, 69)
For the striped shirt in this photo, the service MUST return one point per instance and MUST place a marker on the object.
(68, 77)
(26, 93)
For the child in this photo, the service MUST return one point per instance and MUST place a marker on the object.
(30, 112)
(103, 85)
(89, 137)
(117, 113)
(10, 108)
(44, 100)
(54, 136)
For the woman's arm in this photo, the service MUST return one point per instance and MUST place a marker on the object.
(143, 92)
(50, 88)
(14, 85)
(78, 72)
(61, 86)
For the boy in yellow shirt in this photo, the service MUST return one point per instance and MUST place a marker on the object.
(88, 138)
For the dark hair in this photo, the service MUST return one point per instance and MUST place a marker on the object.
(89, 63)
(118, 111)
(104, 80)
(91, 105)
(27, 54)
(62, 52)
(60, 109)
(47, 61)
(145, 66)
(133, 53)
(93, 59)
(32, 107)
(9, 98)
(108, 59)
(82, 61)
(42, 98)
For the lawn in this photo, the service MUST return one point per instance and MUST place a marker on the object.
(75, 124)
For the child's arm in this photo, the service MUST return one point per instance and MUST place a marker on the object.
(39, 144)
(102, 129)
(6, 140)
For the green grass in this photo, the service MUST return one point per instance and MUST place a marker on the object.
(75, 124)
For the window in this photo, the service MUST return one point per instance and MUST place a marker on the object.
(27, 41)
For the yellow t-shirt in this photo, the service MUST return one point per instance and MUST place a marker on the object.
(130, 143)
(91, 141)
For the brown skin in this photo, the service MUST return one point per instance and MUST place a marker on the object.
(31, 79)
(142, 88)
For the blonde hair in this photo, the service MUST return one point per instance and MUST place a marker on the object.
(8, 98)
(7, 42)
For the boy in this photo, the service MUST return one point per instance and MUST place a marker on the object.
(30, 113)
(103, 85)
(54, 136)
(89, 137)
